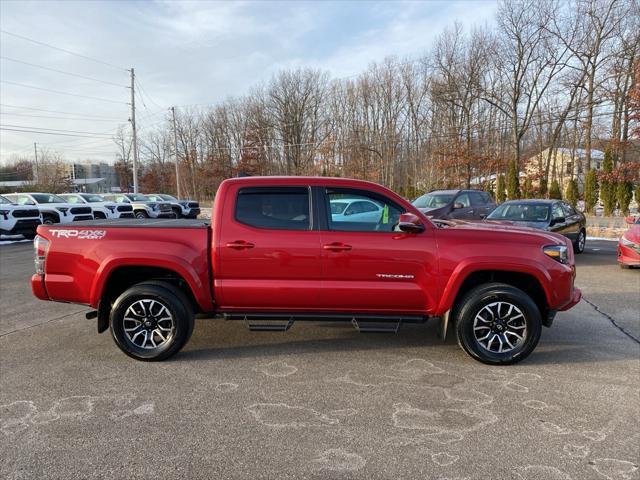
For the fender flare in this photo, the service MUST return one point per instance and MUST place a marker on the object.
(472, 265)
(169, 262)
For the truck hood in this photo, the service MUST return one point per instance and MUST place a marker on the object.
(536, 225)
(553, 238)
(59, 205)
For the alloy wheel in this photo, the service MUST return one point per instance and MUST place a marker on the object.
(500, 327)
(148, 324)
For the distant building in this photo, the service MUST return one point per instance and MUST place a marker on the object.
(94, 177)
(566, 163)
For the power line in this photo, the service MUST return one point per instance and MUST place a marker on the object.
(62, 93)
(47, 133)
(54, 129)
(44, 44)
(58, 111)
(54, 117)
(143, 91)
(62, 72)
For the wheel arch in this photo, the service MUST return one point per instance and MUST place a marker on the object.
(530, 280)
(113, 278)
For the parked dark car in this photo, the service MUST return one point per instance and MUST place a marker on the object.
(551, 215)
(452, 204)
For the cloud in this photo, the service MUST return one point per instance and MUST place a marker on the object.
(191, 52)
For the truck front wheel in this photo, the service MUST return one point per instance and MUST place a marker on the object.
(498, 324)
(151, 321)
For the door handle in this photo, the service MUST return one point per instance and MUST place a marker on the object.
(240, 245)
(337, 247)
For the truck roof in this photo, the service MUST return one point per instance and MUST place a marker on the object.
(292, 180)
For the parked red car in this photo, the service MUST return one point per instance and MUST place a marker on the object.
(276, 252)
(629, 244)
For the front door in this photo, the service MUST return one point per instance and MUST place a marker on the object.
(268, 254)
(369, 265)
(464, 210)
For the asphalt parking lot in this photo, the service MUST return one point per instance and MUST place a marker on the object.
(321, 401)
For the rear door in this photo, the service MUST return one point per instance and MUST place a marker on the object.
(268, 251)
(482, 204)
(370, 266)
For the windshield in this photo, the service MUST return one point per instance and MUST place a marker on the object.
(521, 212)
(338, 207)
(4, 201)
(93, 198)
(47, 198)
(168, 197)
(138, 198)
(433, 200)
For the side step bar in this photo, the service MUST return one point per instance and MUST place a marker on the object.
(364, 323)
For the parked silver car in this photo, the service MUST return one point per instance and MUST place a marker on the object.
(143, 206)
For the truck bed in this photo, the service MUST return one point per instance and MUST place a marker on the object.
(142, 223)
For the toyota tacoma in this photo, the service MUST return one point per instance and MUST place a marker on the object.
(275, 252)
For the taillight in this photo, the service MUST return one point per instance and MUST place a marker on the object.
(40, 247)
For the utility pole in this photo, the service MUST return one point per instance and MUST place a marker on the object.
(175, 146)
(135, 136)
(35, 167)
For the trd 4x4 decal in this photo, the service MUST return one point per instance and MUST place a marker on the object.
(79, 234)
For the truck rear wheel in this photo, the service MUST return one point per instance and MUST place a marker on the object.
(152, 321)
(498, 324)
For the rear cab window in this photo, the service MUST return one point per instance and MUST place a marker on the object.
(277, 208)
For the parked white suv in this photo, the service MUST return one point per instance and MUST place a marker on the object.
(181, 208)
(102, 208)
(53, 208)
(143, 207)
(18, 219)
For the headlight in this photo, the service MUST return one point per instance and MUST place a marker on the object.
(62, 209)
(557, 252)
(153, 206)
(111, 208)
(5, 214)
(627, 243)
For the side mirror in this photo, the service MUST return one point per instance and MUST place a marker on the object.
(348, 212)
(484, 215)
(457, 206)
(630, 220)
(557, 220)
(410, 223)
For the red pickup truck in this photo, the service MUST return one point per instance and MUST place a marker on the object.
(281, 249)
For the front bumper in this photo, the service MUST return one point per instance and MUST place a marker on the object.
(575, 299)
(127, 215)
(80, 218)
(165, 215)
(23, 226)
(628, 256)
(193, 213)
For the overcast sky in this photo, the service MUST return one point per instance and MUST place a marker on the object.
(186, 53)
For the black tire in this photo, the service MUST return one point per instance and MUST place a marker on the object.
(488, 295)
(140, 214)
(169, 296)
(49, 220)
(578, 245)
(99, 216)
(177, 213)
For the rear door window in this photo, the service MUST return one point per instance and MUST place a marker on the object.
(280, 208)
